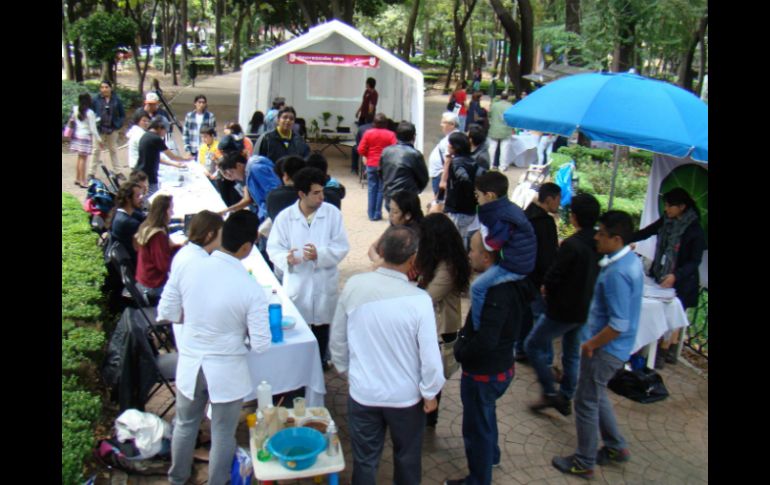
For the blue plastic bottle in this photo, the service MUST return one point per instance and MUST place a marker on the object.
(276, 316)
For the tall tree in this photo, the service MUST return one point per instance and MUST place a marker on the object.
(460, 44)
(219, 8)
(572, 24)
(624, 53)
(183, 31)
(242, 10)
(520, 37)
(685, 67)
(409, 39)
(134, 10)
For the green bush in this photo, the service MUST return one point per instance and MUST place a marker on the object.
(83, 273)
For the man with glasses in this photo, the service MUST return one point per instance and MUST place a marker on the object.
(194, 121)
(282, 141)
(449, 124)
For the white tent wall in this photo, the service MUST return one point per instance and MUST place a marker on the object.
(662, 165)
(312, 90)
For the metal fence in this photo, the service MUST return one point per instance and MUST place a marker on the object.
(698, 331)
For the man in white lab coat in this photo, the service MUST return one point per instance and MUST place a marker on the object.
(221, 306)
(307, 242)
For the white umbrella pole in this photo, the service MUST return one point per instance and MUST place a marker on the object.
(615, 161)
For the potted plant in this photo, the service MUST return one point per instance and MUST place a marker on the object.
(314, 129)
(339, 121)
(326, 116)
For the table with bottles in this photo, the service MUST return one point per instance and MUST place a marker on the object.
(288, 365)
(271, 470)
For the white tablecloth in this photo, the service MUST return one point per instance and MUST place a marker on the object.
(522, 150)
(658, 318)
(289, 365)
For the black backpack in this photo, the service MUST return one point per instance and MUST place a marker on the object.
(451, 105)
(643, 385)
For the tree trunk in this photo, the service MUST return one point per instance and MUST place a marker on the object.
(623, 56)
(409, 40)
(510, 27)
(250, 30)
(164, 35)
(183, 30)
(452, 65)
(174, 40)
(137, 18)
(685, 75)
(308, 13)
(218, 37)
(235, 58)
(425, 32)
(572, 24)
(703, 57)
(347, 14)
(68, 67)
(527, 19)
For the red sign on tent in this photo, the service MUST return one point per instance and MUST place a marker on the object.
(343, 60)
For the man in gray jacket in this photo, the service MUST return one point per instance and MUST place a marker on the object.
(403, 166)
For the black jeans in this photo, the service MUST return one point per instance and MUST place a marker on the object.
(367, 432)
(321, 333)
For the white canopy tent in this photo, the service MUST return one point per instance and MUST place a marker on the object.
(338, 89)
(662, 167)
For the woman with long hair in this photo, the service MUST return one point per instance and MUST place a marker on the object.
(154, 248)
(445, 274)
(678, 253)
(84, 137)
(404, 210)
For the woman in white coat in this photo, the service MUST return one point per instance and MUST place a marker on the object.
(307, 242)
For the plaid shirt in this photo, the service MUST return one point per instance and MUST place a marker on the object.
(191, 131)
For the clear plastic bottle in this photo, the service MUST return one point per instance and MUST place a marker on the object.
(333, 440)
(276, 316)
(264, 395)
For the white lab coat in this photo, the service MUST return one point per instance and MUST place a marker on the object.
(311, 285)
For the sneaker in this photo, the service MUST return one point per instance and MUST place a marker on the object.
(563, 405)
(570, 466)
(605, 455)
(460, 481)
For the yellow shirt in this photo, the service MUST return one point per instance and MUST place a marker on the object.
(206, 153)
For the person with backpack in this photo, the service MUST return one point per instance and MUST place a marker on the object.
(476, 113)
(458, 179)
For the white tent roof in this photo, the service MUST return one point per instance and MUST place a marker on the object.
(316, 89)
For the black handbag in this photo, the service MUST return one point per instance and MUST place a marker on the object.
(643, 385)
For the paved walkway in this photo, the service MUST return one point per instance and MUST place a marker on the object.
(668, 439)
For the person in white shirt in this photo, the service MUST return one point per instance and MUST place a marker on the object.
(224, 312)
(204, 236)
(449, 124)
(392, 359)
(141, 121)
(307, 242)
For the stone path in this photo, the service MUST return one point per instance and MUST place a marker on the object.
(668, 439)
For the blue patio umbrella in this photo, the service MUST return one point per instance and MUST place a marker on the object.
(620, 108)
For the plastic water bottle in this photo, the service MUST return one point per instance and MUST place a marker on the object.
(333, 440)
(276, 316)
(264, 395)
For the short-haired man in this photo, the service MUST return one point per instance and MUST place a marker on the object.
(282, 141)
(567, 289)
(128, 216)
(449, 124)
(334, 191)
(109, 110)
(479, 145)
(141, 122)
(370, 148)
(392, 359)
(285, 195)
(219, 304)
(307, 242)
(499, 132)
(402, 165)
(253, 180)
(486, 355)
(151, 146)
(365, 112)
(613, 321)
(540, 216)
(194, 121)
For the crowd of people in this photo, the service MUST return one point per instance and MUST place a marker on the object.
(528, 289)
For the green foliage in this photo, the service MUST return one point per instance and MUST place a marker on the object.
(559, 40)
(82, 275)
(102, 33)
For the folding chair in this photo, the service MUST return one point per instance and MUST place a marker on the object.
(121, 260)
(164, 363)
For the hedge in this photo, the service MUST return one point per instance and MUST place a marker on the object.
(83, 340)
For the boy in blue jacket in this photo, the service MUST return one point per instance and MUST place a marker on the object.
(504, 228)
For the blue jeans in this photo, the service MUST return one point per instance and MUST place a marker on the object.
(462, 122)
(375, 193)
(593, 409)
(480, 427)
(531, 315)
(435, 181)
(539, 348)
(495, 275)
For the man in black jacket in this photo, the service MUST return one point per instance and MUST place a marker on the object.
(486, 357)
(402, 166)
(567, 290)
(539, 215)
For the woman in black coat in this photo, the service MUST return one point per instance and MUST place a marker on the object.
(678, 254)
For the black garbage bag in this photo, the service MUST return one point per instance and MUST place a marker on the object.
(642, 385)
